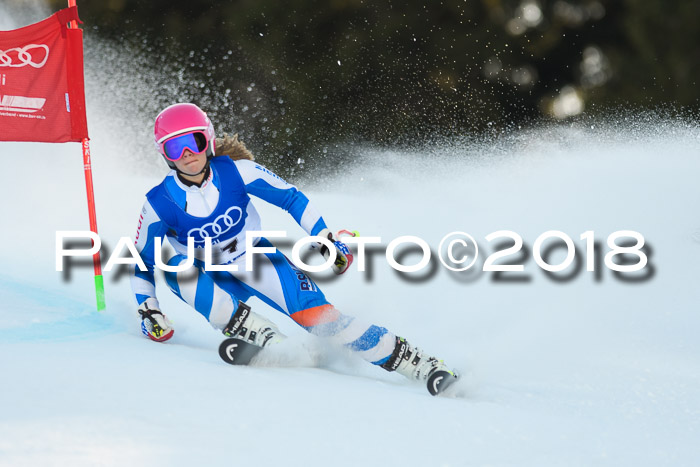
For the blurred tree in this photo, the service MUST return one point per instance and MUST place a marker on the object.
(297, 77)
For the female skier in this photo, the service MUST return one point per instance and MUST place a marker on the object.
(207, 195)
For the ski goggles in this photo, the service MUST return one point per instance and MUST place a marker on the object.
(174, 148)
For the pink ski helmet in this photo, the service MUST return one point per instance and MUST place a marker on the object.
(180, 119)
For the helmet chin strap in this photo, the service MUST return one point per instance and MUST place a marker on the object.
(204, 169)
(181, 173)
(172, 165)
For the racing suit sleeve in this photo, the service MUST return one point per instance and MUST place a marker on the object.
(150, 226)
(264, 184)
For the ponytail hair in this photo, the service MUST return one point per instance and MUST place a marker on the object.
(232, 147)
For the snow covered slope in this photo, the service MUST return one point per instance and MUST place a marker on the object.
(594, 370)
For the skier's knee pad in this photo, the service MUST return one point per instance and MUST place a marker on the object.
(315, 316)
(323, 320)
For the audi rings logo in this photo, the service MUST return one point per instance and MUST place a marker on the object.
(221, 225)
(23, 56)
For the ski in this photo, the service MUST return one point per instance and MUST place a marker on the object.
(235, 351)
(439, 381)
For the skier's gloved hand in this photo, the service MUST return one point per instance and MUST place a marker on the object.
(343, 258)
(154, 324)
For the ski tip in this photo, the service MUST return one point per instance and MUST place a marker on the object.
(235, 351)
(227, 350)
(441, 380)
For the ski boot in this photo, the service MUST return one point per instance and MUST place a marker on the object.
(412, 363)
(247, 334)
(251, 327)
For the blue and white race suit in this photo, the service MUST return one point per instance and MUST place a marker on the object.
(221, 209)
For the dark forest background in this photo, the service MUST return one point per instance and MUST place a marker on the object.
(302, 78)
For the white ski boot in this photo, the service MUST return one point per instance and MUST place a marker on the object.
(252, 328)
(412, 363)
